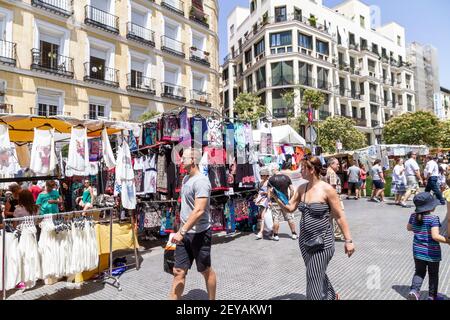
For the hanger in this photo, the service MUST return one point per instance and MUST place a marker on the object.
(80, 126)
(9, 126)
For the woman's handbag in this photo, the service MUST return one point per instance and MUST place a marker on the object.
(314, 245)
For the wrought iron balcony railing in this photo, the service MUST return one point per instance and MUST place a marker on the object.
(176, 6)
(7, 52)
(199, 16)
(52, 63)
(200, 56)
(141, 84)
(101, 74)
(200, 97)
(140, 34)
(173, 91)
(61, 7)
(101, 19)
(172, 46)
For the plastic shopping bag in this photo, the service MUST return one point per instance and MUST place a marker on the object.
(169, 255)
(268, 220)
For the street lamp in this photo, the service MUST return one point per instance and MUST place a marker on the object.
(378, 131)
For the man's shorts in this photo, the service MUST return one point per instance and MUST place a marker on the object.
(195, 246)
(412, 184)
(355, 185)
(378, 184)
(278, 214)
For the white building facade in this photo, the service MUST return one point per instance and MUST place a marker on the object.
(280, 45)
(445, 103)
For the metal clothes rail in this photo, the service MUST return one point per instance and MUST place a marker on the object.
(109, 274)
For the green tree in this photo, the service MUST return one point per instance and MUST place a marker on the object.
(414, 128)
(343, 129)
(148, 115)
(301, 119)
(247, 106)
(445, 134)
(313, 98)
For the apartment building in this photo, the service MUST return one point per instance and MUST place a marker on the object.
(112, 59)
(445, 103)
(280, 45)
(425, 64)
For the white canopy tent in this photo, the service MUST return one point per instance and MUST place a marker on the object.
(282, 135)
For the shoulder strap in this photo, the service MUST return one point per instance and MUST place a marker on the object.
(306, 190)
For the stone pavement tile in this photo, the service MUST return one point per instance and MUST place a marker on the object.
(381, 268)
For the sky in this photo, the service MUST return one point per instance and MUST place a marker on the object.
(425, 21)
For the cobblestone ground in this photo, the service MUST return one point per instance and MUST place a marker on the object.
(381, 268)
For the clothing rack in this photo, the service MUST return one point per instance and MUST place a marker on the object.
(71, 213)
(36, 178)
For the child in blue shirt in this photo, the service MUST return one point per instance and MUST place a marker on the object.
(426, 248)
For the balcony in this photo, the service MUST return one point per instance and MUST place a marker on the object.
(61, 7)
(385, 59)
(200, 56)
(51, 62)
(6, 108)
(323, 115)
(172, 46)
(101, 19)
(141, 84)
(353, 47)
(345, 67)
(101, 75)
(138, 33)
(200, 97)
(375, 123)
(324, 85)
(305, 51)
(307, 81)
(374, 98)
(355, 95)
(199, 17)
(313, 23)
(282, 81)
(173, 91)
(355, 71)
(175, 6)
(360, 122)
(7, 52)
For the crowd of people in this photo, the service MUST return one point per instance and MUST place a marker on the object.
(48, 198)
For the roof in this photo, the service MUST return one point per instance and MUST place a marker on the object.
(445, 90)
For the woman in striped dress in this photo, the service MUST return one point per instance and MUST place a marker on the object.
(319, 203)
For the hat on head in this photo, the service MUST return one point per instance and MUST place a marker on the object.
(265, 171)
(424, 202)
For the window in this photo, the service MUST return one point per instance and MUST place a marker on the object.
(339, 38)
(261, 78)
(97, 68)
(136, 112)
(232, 30)
(96, 110)
(322, 47)
(249, 82)
(282, 73)
(363, 43)
(138, 70)
(280, 14)
(361, 88)
(262, 96)
(343, 110)
(248, 56)
(371, 65)
(352, 63)
(399, 40)
(279, 107)
(259, 48)
(305, 41)
(375, 48)
(198, 83)
(49, 103)
(342, 86)
(322, 78)
(383, 52)
(362, 21)
(351, 38)
(354, 112)
(297, 14)
(305, 74)
(385, 97)
(281, 42)
(252, 6)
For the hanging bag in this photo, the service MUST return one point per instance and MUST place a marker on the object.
(169, 255)
(268, 220)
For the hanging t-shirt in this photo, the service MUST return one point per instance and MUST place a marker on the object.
(43, 158)
(94, 149)
(150, 134)
(185, 135)
(107, 153)
(139, 175)
(78, 158)
(199, 130)
(132, 141)
(9, 163)
(124, 168)
(128, 194)
(170, 128)
(215, 133)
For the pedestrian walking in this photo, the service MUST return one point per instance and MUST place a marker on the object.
(354, 181)
(333, 179)
(262, 201)
(193, 240)
(426, 248)
(378, 182)
(431, 173)
(319, 203)
(442, 180)
(399, 182)
(413, 176)
(281, 186)
(363, 177)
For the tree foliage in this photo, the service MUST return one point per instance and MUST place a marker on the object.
(342, 129)
(313, 98)
(248, 107)
(445, 134)
(148, 115)
(414, 129)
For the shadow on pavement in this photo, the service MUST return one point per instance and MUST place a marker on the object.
(290, 296)
(196, 294)
(68, 294)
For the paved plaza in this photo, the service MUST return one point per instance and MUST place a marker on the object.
(381, 268)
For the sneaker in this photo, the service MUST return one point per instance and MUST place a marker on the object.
(276, 238)
(376, 200)
(413, 295)
(437, 297)
(294, 236)
(259, 236)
